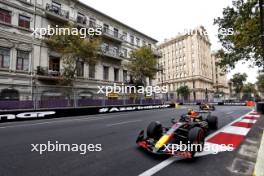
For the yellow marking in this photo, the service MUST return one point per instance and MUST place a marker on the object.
(164, 139)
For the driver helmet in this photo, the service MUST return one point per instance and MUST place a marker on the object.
(189, 111)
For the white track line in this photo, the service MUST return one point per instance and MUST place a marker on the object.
(170, 160)
(229, 112)
(91, 118)
(160, 166)
(125, 122)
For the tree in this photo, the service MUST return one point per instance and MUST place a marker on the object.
(244, 43)
(238, 81)
(183, 91)
(249, 90)
(260, 82)
(74, 49)
(143, 65)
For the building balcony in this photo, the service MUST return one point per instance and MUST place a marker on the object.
(43, 73)
(220, 85)
(111, 53)
(112, 35)
(56, 13)
(157, 53)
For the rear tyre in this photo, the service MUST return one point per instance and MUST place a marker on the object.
(212, 122)
(196, 136)
(154, 130)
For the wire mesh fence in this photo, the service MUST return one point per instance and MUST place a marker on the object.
(45, 97)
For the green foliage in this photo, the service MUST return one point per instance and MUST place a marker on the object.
(248, 89)
(238, 81)
(260, 82)
(184, 91)
(143, 65)
(244, 44)
(74, 48)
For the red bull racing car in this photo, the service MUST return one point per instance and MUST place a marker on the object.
(191, 128)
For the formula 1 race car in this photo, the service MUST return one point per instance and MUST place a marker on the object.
(189, 129)
(207, 107)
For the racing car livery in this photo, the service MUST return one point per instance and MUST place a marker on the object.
(207, 107)
(189, 129)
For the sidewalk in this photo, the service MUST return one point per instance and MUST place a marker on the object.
(259, 167)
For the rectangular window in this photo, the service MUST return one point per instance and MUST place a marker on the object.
(54, 64)
(81, 18)
(124, 37)
(144, 43)
(115, 51)
(56, 7)
(22, 60)
(92, 22)
(24, 21)
(138, 41)
(5, 16)
(106, 73)
(4, 57)
(116, 74)
(125, 75)
(91, 71)
(149, 45)
(106, 28)
(116, 32)
(105, 47)
(80, 68)
(132, 39)
(125, 52)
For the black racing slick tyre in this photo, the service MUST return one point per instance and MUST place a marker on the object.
(154, 130)
(196, 136)
(212, 122)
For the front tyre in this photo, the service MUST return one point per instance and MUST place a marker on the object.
(212, 122)
(196, 136)
(154, 130)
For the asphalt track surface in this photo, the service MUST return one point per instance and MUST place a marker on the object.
(116, 132)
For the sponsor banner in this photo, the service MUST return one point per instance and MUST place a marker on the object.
(26, 115)
(131, 108)
(220, 103)
(67, 112)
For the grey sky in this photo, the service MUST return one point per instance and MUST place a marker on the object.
(163, 19)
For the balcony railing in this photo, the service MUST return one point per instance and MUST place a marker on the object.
(157, 53)
(57, 11)
(44, 71)
(111, 52)
(113, 34)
